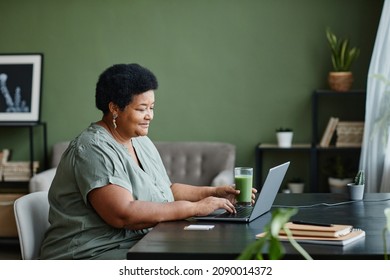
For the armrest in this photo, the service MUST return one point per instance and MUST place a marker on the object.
(224, 177)
(42, 181)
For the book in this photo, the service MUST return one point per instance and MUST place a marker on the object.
(354, 235)
(334, 230)
(4, 155)
(337, 235)
(329, 131)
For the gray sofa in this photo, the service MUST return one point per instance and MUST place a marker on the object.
(195, 163)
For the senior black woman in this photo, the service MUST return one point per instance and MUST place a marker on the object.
(111, 186)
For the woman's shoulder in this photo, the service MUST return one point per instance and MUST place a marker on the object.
(92, 135)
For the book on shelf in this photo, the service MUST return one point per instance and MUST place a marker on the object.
(18, 170)
(4, 155)
(329, 131)
(339, 235)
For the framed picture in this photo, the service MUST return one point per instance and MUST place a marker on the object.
(20, 87)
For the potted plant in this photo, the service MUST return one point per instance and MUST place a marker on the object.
(341, 78)
(284, 137)
(296, 185)
(339, 175)
(356, 188)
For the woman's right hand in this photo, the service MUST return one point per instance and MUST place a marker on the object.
(209, 204)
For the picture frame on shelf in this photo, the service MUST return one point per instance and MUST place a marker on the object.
(20, 87)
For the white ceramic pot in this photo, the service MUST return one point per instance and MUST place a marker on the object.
(337, 185)
(284, 139)
(296, 187)
(356, 192)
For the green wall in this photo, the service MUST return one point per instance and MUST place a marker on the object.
(229, 70)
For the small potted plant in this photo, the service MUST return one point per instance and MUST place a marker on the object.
(339, 174)
(341, 78)
(284, 137)
(296, 185)
(356, 188)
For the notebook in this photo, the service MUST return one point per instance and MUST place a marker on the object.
(263, 203)
(354, 235)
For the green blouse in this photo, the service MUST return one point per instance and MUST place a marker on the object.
(93, 160)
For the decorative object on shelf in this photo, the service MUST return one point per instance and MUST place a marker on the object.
(338, 185)
(329, 131)
(18, 171)
(338, 174)
(296, 185)
(4, 155)
(356, 188)
(284, 137)
(341, 78)
(349, 134)
(20, 87)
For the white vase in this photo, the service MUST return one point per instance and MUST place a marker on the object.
(284, 139)
(337, 185)
(296, 187)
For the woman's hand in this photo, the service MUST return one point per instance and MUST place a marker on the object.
(209, 204)
(230, 193)
(254, 192)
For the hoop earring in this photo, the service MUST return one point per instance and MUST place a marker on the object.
(114, 116)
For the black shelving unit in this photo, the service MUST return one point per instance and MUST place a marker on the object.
(262, 149)
(15, 187)
(347, 106)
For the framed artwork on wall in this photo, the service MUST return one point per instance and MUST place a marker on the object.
(20, 87)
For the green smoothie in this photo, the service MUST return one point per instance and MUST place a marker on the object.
(244, 184)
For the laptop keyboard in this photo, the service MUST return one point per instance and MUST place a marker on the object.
(242, 212)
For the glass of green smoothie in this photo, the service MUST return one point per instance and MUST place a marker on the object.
(243, 178)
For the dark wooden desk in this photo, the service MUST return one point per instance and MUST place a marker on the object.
(227, 240)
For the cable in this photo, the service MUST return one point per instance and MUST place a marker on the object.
(329, 204)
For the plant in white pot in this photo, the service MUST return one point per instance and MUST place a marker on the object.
(296, 185)
(284, 137)
(356, 188)
(341, 78)
(339, 174)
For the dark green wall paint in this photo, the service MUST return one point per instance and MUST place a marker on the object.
(229, 70)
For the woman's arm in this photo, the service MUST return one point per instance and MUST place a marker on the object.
(196, 193)
(117, 207)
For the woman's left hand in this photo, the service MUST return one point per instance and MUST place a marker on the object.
(230, 193)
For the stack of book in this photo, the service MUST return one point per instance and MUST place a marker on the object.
(18, 170)
(330, 234)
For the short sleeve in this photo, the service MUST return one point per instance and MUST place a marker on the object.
(98, 164)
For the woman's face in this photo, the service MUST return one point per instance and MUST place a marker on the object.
(135, 119)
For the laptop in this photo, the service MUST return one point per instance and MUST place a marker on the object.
(263, 204)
